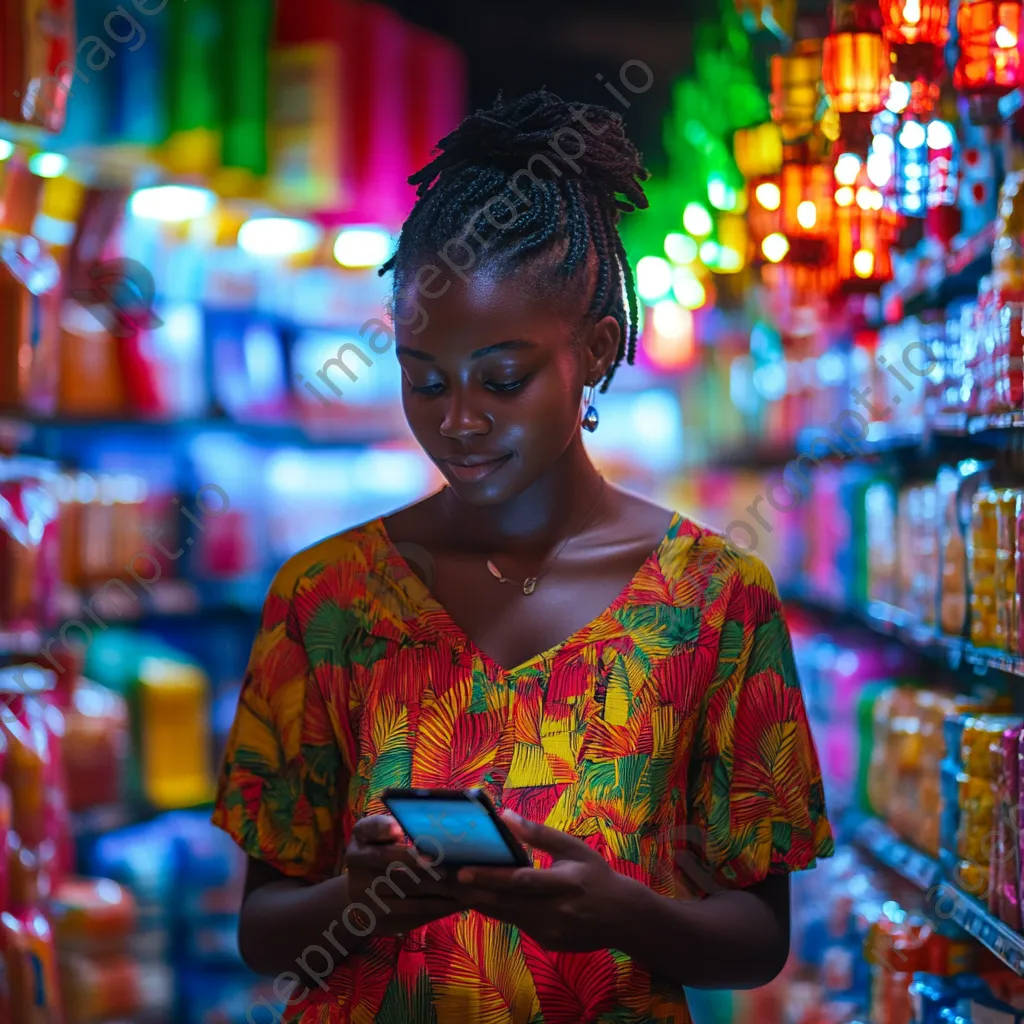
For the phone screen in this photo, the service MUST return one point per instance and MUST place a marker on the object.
(456, 831)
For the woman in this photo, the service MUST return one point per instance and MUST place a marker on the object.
(618, 678)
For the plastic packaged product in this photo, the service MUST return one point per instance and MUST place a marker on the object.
(100, 989)
(29, 559)
(952, 552)
(27, 947)
(28, 751)
(981, 560)
(174, 722)
(1005, 865)
(93, 916)
(97, 740)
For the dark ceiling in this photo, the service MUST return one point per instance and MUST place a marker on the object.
(564, 45)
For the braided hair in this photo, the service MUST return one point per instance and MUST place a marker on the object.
(568, 208)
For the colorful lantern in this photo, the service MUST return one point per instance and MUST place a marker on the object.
(865, 232)
(990, 61)
(758, 150)
(807, 212)
(856, 72)
(796, 89)
(764, 209)
(917, 31)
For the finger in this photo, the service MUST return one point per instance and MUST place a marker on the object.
(383, 857)
(543, 837)
(378, 828)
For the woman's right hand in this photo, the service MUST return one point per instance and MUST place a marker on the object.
(399, 889)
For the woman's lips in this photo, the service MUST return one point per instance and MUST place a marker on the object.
(473, 474)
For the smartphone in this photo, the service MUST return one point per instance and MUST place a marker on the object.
(455, 827)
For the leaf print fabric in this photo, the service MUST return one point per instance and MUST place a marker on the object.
(669, 734)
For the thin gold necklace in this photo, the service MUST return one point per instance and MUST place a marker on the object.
(529, 585)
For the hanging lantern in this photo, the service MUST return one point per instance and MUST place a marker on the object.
(856, 73)
(796, 89)
(917, 31)
(733, 243)
(866, 229)
(990, 62)
(764, 210)
(807, 212)
(758, 150)
(912, 168)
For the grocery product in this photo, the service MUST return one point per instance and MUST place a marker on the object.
(1004, 865)
(27, 947)
(29, 554)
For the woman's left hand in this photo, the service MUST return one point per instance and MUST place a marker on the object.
(568, 907)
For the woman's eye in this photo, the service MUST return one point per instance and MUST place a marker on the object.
(506, 386)
(426, 389)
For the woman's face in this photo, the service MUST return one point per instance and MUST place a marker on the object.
(492, 373)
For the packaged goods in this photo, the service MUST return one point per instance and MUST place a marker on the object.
(917, 551)
(29, 556)
(952, 555)
(27, 947)
(1004, 866)
(93, 916)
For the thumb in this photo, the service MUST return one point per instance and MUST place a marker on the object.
(543, 837)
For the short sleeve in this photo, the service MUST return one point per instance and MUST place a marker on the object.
(755, 801)
(281, 787)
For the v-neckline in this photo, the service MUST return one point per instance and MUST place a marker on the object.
(427, 599)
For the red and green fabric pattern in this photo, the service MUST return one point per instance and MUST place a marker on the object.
(669, 733)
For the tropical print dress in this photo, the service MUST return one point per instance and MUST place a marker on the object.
(669, 733)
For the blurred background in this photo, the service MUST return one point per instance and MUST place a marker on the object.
(194, 199)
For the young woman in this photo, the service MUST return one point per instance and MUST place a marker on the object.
(616, 676)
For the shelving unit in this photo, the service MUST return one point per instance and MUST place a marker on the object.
(893, 622)
(945, 900)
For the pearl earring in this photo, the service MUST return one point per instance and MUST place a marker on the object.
(590, 417)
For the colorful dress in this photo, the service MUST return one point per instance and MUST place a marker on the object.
(669, 733)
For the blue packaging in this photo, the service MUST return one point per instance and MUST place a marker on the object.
(953, 731)
(930, 994)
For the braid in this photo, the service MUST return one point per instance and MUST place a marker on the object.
(545, 204)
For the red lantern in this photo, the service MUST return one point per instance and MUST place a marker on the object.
(865, 231)
(917, 30)
(796, 87)
(807, 212)
(856, 72)
(990, 60)
(764, 209)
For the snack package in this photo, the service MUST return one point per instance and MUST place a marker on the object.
(1005, 864)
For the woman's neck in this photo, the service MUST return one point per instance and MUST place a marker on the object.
(551, 508)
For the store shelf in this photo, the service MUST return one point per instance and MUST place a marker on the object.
(169, 598)
(894, 622)
(337, 435)
(941, 282)
(947, 902)
(877, 839)
(975, 919)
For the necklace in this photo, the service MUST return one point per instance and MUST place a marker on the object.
(529, 585)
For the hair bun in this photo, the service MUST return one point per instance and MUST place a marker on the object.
(539, 124)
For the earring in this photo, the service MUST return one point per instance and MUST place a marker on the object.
(590, 417)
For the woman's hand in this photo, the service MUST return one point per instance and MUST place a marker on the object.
(569, 907)
(400, 889)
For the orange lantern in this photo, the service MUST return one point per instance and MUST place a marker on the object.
(807, 212)
(856, 72)
(758, 150)
(990, 62)
(917, 31)
(865, 232)
(764, 209)
(796, 89)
